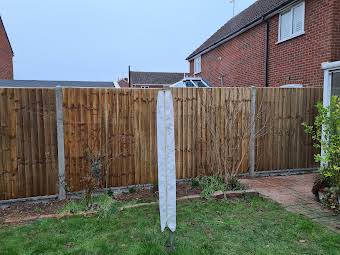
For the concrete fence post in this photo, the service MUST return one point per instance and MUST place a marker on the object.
(252, 130)
(60, 142)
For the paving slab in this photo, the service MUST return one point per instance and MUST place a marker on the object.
(294, 192)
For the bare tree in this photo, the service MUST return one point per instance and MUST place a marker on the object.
(99, 160)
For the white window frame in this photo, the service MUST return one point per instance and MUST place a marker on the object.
(290, 10)
(329, 68)
(198, 66)
(145, 87)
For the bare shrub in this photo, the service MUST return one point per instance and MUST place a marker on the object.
(98, 164)
(228, 123)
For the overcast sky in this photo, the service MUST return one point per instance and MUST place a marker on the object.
(96, 40)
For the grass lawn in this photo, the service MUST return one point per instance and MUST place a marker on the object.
(250, 226)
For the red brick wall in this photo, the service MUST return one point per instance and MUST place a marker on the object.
(336, 31)
(6, 62)
(299, 60)
(242, 59)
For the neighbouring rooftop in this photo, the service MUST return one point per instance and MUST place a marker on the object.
(155, 78)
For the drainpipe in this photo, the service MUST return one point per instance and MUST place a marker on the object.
(222, 80)
(266, 81)
(129, 77)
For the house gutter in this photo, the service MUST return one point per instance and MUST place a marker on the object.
(129, 77)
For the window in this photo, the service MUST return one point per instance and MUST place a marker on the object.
(189, 84)
(144, 87)
(336, 83)
(292, 22)
(199, 83)
(197, 65)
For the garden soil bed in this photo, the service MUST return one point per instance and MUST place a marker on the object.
(24, 212)
(150, 195)
(27, 210)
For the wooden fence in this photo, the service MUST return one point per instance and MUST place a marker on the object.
(283, 144)
(28, 162)
(119, 127)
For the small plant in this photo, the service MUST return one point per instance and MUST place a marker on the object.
(155, 188)
(75, 206)
(38, 210)
(320, 183)
(103, 204)
(234, 184)
(90, 184)
(210, 185)
(98, 164)
(330, 198)
(92, 181)
(195, 183)
(106, 206)
(132, 190)
(109, 193)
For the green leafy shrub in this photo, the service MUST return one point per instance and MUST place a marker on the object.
(326, 135)
(103, 204)
(234, 184)
(210, 185)
(74, 206)
(195, 183)
(106, 206)
(110, 193)
(132, 190)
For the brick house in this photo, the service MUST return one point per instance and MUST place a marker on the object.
(6, 55)
(150, 79)
(272, 43)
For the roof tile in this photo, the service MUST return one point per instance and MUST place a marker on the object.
(253, 13)
(155, 78)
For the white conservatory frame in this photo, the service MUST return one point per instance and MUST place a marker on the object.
(329, 68)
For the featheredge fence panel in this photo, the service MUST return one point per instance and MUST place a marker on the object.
(28, 162)
(117, 127)
(281, 142)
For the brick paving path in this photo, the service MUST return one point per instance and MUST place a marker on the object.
(294, 193)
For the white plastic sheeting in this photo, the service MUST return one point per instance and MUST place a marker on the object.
(166, 160)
